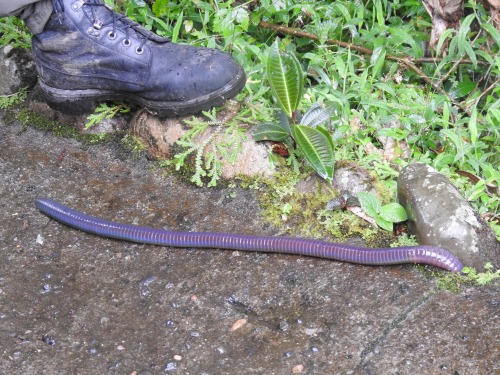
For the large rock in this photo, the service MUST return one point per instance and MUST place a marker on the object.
(439, 215)
(17, 70)
(160, 135)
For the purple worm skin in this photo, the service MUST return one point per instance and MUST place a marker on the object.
(431, 255)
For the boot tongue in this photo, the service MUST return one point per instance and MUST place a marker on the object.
(101, 14)
(98, 12)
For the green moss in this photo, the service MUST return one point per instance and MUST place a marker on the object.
(133, 145)
(305, 214)
(29, 118)
(469, 277)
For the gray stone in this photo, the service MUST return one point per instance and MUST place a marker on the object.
(160, 135)
(440, 216)
(17, 70)
(352, 179)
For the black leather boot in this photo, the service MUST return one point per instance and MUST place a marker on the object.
(87, 53)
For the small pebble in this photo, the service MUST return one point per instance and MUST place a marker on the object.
(148, 280)
(238, 324)
(92, 350)
(171, 323)
(171, 366)
(48, 340)
(297, 369)
(177, 357)
(39, 239)
(284, 326)
(46, 288)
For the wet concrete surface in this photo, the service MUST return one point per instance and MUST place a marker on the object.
(73, 303)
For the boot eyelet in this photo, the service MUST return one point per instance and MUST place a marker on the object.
(139, 51)
(126, 43)
(77, 5)
(112, 35)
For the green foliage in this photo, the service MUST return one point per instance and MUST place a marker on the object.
(7, 101)
(482, 278)
(286, 79)
(368, 89)
(14, 32)
(385, 216)
(468, 277)
(208, 150)
(104, 111)
(313, 141)
(317, 147)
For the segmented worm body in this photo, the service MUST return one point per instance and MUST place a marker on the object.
(431, 255)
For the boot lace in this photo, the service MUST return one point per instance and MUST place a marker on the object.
(99, 18)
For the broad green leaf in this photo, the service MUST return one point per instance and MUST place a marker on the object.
(463, 32)
(393, 212)
(386, 87)
(472, 55)
(379, 12)
(473, 125)
(317, 146)
(177, 27)
(384, 224)
(316, 115)
(478, 190)
(486, 56)
(286, 78)
(369, 203)
(495, 34)
(377, 60)
(241, 16)
(284, 121)
(270, 131)
(442, 39)
(463, 89)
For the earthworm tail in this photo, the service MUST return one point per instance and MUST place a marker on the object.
(431, 255)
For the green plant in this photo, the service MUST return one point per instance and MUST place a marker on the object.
(210, 144)
(7, 101)
(385, 216)
(105, 111)
(482, 278)
(312, 139)
(13, 32)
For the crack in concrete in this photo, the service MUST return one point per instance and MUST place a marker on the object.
(369, 349)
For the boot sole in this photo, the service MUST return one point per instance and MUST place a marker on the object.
(79, 102)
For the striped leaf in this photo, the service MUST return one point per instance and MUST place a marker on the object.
(286, 78)
(270, 131)
(317, 146)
